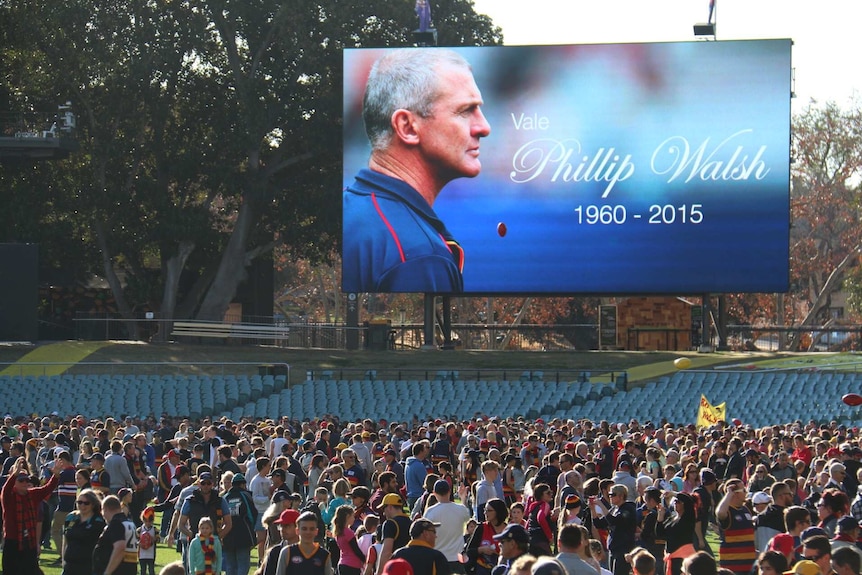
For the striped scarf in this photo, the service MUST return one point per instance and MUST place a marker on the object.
(208, 548)
(25, 514)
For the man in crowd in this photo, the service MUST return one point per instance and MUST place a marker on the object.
(289, 536)
(116, 551)
(571, 544)
(451, 519)
(420, 551)
(20, 506)
(737, 550)
(514, 542)
(396, 528)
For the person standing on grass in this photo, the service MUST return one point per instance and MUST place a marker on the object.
(20, 505)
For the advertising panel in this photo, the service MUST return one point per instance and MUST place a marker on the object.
(605, 169)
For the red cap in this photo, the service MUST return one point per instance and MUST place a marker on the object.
(287, 517)
(397, 567)
(783, 543)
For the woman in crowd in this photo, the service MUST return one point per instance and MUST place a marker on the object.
(81, 530)
(677, 529)
(315, 471)
(482, 550)
(540, 520)
(351, 557)
(85, 454)
(280, 502)
(340, 489)
(691, 478)
(833, 505)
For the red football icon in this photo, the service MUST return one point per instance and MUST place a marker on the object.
(852, 399)
(501, 229)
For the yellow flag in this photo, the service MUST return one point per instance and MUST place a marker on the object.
(708, 414)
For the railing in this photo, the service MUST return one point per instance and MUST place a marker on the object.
(778, 338)
(564, 337)
(618, 377)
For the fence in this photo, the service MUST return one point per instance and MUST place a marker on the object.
(563, 337)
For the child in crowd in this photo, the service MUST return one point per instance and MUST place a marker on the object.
(148, 536)
(205, 550)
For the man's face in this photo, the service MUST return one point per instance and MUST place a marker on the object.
(824, 561)
(206, 486)
(22, 484)
(449, 137)
(288, 531)
(508, 548)
(307, 530)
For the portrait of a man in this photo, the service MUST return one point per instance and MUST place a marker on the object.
(422, 112)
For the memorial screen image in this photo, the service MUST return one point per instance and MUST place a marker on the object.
(610, 169)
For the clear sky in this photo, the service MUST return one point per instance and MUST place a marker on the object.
(826, 50)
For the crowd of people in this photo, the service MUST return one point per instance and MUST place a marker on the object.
(488, 496)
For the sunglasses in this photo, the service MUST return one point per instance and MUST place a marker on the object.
(814, 557)
(206, 482)
(83, 502)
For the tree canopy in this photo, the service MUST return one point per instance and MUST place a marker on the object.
(210, 133)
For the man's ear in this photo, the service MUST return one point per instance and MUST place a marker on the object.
(404, 126)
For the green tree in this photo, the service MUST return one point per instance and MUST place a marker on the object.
(210, 129)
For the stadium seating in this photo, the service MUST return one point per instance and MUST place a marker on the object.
(755, 397)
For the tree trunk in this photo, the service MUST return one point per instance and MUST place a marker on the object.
(231, 269)
(829, 287)
(114, 282)
(173, 270)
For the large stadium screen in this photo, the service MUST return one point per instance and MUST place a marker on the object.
(607, 169)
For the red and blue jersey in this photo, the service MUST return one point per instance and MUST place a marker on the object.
(394, 242)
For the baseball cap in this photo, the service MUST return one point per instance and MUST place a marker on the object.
(760, 498)
(180, 470)
(392, 499)
(237, 479)
(810, 532)
(548, 566)
(174, 453)
(420, 526)
(514, 532)
(205, 476)
(707, 476)
(804, 567)
(847, 523)
(397, 567)
(97, 456)
(287, 517)
(783, 543)
(280, 495)
(279, 473)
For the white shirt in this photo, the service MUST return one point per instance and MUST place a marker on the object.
(453, 518)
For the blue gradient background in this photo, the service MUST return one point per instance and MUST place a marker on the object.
(630, 97)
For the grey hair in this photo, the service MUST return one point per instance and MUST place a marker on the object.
(403, 79)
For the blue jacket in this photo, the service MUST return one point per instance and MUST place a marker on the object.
(414, 476)
(394, 242)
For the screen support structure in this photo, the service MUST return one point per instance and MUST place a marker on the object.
(428, 322)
